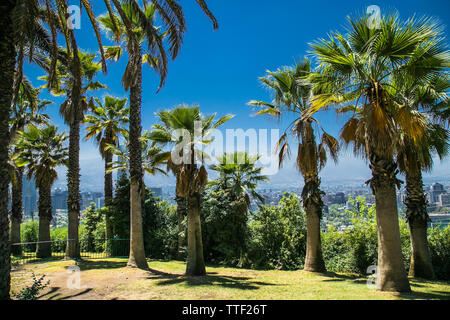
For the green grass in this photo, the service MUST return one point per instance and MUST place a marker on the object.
(110, 279)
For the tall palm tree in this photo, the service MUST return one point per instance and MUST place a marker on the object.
(131, 29)
(41, 151)
(292, 97)
(23, 35)
(25, 111)
(105, 123)
(72, 110)
(413, 157)
(192, 176)
(356, 70)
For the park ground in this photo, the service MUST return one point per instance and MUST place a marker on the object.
(110, 279)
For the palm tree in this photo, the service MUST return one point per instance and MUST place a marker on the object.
(41, 151)
(72, 110)
(413, 157)
(239, 175)
(292, 96)
(153, 157)
(106, 124)
(132, 27)
(192, 176)
(356, 72)
(23, 35)
(25, 111)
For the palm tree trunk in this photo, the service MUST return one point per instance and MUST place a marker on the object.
(312, 203)
(137, 250)
(195, 265)
(391, 271)
(417, 216)
(73, 190)
(45, 217)
(7, 64)
(16, 212)
(181, 213)
(108, 188)
(312, 199)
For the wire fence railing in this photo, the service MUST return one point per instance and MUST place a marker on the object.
(26, 252)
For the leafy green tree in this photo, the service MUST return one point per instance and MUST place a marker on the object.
(355, 75)
(278, 235)
(41, 151)
(92, 219)
(292, 96)
(192, 175)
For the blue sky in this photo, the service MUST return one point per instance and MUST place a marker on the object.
(219, 70)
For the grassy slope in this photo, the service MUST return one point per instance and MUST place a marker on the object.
(109, 279)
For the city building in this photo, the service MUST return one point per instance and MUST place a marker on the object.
(444, 199)
(435, 191)
(59, 200)
(29, 197)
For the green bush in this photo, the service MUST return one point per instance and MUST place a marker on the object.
(278, 235)
(29, 233)
(59, 236)
(32, 292)
(356, 248)
(224, 228)
(439, 242)
(159, 222)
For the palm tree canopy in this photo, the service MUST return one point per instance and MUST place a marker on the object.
(292, 96)
(186, 119)
(41, 151)
(106, 121)
(64, 81)
(153, 157)
(239, 174)
(27, 108)
(359, 71)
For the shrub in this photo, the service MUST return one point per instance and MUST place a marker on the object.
(439, 242)
(278, 235)
(31, 292)
(356, 248)
(224, 227)
(29, 233)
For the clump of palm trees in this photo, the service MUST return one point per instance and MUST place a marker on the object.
(391, 81)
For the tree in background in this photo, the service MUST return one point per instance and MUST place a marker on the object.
(72, 110)
(192, 177)
(415, 156)
(292, 96)
(41, 151)
(26, 110)
(105, 123)
(226, 207)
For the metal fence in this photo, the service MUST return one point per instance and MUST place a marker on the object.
(89, 248)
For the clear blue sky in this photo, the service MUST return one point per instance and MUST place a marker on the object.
(219, 70)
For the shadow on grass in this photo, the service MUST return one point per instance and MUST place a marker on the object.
(414, 295)
(210, 279)
(54, 294)
(100, 264)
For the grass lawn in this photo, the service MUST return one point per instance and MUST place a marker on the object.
(110, 279)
